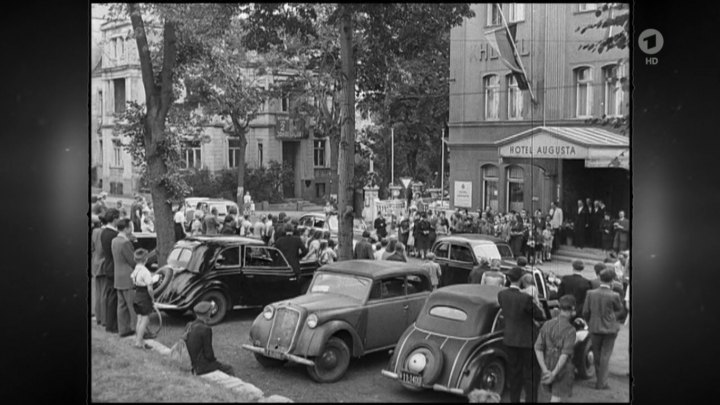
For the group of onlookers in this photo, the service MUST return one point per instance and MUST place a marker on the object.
(594, 226)
(140, 213)
(540, 351)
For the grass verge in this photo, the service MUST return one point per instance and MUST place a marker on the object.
(121, 373)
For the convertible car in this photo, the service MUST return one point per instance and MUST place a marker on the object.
(456, 344)
(229, 271)
(352, 308)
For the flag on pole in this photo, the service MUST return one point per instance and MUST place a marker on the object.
(502, 39)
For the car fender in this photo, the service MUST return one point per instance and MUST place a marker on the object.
(321, 334)
(468, 375)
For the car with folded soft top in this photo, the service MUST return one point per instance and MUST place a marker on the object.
(456, 344)
(351, 308)
(229, 271)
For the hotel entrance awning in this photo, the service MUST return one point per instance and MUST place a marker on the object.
(597, 147)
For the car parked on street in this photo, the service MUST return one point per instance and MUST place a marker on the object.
(223, 206)
(320, 221)
(229, 271)
(456, 344)
(351, 308)
(458, 254)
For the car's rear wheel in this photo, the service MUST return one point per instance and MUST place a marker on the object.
(164, 276)
(332, 363)
(267, 361)
(424, 357)
(585, 364)
(491, 376)
(220, 307)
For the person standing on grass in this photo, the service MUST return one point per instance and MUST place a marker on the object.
(107, 269)
(143, 302)
(554, 349)
(519, 336)
(122, 250)
(602, 308)
(199, 343)
(100, 279)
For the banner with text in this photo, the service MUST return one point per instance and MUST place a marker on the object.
(463, 194)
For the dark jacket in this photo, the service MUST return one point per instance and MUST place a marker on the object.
(381, 227)
(293, 249)
(476, 275)
(364, 250)
(107, 268)
(519, 312)
(616, 286)
(199, 346)
(397, 257)
(601, 309)
(122, 250)
(575, 285)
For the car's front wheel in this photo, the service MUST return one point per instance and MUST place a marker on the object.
(585, 360)
(492, 377)
(220, 306)
(332, 363)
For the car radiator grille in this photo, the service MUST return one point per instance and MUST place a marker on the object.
(284, 328)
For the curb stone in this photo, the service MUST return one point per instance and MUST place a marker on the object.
(221, 378)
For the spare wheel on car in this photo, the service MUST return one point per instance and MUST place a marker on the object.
(423, 358)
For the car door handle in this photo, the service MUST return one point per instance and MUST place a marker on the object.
(293, 278)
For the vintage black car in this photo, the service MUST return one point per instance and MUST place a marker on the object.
(351, 308)
(230, 271)
(456, 344)
(458, 254)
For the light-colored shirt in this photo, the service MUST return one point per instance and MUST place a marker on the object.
(434, 271)
(141, 276)
(557, 218)
(379, 254)
(247, 199)
(179, 217)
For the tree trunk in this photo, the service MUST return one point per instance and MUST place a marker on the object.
(158, 100)
(346, 153)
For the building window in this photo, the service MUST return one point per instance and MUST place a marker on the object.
(515, 99)
(490, 187)
(260, 154)
(583, 92)
(613, 96)
(493, 14)
(193, 157)
(515, 185)
(588, 6)
(492, 97)
(119, 87)
(284, 104)
(117, 153)
(319, 190)
(233, 152)
(517, 12)
(320, 151)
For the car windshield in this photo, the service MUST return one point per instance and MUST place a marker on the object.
(221, 207)
(350, 286)
(186, 258)
(488, 251)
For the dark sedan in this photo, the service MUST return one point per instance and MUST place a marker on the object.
(458, 254)
(231, 272)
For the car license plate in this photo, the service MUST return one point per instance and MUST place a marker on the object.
(410, 378)
(275, 355)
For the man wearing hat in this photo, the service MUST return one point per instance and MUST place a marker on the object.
(199, 343)
(575, 284)
(364, 249)
(519, 336)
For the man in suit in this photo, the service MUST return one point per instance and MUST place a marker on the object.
(519, 337)
(380, 226)
(124, 257)
(364, 249)
(107, 269)
(602, 308)
(598, 216)
(581, 225)
(199, 343)
(575, 284)
(595, 283)
(292, 248)
(556, 222)
(100, 279)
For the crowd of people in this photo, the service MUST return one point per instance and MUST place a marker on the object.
(140, 213)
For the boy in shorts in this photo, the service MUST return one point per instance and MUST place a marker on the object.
(554, 351)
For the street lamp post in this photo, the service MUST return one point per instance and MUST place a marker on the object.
(442, 169)
(392, 155)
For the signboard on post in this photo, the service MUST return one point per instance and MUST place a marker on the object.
(463, 194)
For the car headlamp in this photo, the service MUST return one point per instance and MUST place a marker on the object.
(312, 321)
(268, 312)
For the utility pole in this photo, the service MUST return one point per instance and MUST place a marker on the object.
(442, 169)
(392, 156)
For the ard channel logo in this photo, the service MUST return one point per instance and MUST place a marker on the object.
(651, 42)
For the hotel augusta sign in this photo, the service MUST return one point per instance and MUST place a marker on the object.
(543, 146)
